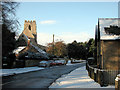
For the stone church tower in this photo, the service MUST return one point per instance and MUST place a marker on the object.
(29, 31)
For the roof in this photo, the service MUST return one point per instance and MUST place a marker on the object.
(19, 49)
(109, 28)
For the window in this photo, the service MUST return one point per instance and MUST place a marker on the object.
(29, 27)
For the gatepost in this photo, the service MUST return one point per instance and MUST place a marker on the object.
(117, 82)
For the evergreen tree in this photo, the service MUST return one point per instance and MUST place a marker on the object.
(81, 50)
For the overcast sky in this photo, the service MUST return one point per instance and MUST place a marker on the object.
(67, 20)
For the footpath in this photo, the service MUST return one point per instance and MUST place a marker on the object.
(77, 79)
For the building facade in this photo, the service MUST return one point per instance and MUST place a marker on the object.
(108, 44)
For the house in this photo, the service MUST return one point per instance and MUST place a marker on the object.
(108, 43)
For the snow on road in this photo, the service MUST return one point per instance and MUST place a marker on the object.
(7, 72)
(76, 79)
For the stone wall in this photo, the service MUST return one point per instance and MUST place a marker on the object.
(110, 58)
(29, 63)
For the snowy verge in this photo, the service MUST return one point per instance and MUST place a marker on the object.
(7, 72)
(77, 79)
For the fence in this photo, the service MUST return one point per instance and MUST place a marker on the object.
(103, 77)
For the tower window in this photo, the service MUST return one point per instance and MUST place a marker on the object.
(29, 27)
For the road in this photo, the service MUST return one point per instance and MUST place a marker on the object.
(38, 79)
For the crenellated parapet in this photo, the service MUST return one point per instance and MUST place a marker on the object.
(30, 21)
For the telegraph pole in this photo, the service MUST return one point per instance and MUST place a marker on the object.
(53, 44)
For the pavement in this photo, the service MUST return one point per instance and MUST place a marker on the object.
(77, 79)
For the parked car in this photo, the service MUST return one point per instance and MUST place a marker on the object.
(52, 62)
(76, 61)
(63, 62)
(44, 64)
(60, 62)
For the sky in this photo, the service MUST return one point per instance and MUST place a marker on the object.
(68, 21)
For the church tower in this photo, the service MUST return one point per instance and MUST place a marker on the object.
(30, 29)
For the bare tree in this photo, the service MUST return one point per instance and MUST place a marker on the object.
(9, 27)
